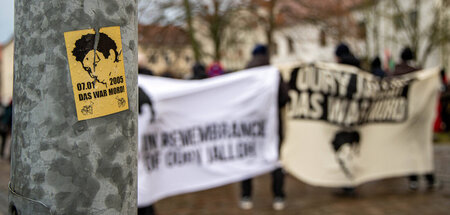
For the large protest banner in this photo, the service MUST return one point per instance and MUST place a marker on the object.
(347, 127)
(205, 133)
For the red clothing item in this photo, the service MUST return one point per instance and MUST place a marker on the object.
(438, 122)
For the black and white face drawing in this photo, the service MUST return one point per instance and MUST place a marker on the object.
(346, 148)
(97, 62)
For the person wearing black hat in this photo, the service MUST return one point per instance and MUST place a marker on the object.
(375, 68)
(405, 66)
(260, 57)
(345, 56)
(198, 72)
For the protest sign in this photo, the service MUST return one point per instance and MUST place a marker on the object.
(347, 127)
(206, 133)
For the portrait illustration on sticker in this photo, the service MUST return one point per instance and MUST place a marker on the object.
(96, 55)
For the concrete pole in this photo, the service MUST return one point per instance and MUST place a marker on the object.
(60, 165)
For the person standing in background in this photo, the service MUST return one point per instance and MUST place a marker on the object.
(260, 57)
(145, 99)
(5, 127)
(345, 56)
(375, 68)
(215, 69)
(404, 67)
(198, 72)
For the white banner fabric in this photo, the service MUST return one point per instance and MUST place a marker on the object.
(347, 127)
(206, 133)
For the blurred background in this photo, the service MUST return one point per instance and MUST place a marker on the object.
(175, 35)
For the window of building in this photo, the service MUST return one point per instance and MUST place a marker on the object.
(413, 16)
(290, 43)
(362, 30)
(398, 21)
(153, 59)
(322, 38)
(167, 58)
(274, 48)
(240, 53)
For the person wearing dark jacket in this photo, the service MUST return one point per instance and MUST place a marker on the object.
(375, 68)
(405, 66)
(345, 56)
(260, 57)
(145, 99)
(144, 71)
(198, 72)
(5, 127)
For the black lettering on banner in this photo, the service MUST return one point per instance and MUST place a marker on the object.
(152, 161)
(346, 98)
(231, 151)
(187, 137)
(168, 139)
(151, 155)
(181, 158)
(150, 142)
(218, 142)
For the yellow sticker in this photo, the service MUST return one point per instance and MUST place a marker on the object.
(97, 71)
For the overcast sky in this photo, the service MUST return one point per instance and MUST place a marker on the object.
(6, 20)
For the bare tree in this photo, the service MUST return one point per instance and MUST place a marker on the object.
(171, 13)
(422, 39)
(264, 13)
(212, 19)
(439, 31)
(196, 48)
(333, 15)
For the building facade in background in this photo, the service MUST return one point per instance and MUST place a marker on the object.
(165, 48)
(302, 35)
(422, 25)
(6, 72)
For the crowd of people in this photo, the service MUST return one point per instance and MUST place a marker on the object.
(343, 55)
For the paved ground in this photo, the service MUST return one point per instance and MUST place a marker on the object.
(4, 179)
(390, 196)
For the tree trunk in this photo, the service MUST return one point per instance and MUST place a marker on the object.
(60, 165)
(416, 30)
(216, 30)
(191, 31)
(271, 27)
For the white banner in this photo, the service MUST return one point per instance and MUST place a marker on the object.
(206, 133)
(347, 127)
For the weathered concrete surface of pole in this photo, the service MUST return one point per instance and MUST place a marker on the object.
(61, 165)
